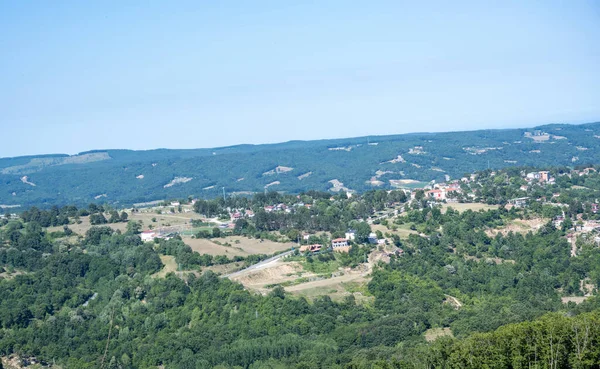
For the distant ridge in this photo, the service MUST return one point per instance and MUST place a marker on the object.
(136, 176)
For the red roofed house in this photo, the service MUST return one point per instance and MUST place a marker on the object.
(340, 245)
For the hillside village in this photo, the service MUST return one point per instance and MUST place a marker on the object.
(318, 245)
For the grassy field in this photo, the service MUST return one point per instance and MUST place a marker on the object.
(176, 221)
(403, 230)
(468, 206)
(351, 283)
(169, 266)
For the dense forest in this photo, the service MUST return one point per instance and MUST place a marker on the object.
(97, 303)
(122, 177)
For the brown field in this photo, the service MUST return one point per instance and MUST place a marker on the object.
(468, 206)
(204, 246)
(434, 333)
(278, 272)
(240, 246)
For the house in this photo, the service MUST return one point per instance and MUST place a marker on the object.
(237, 215)
(351, 235)
(594, 208)
(542, 176)
(436, 194)
(148, 236)
(305, 236)
(311, 248)
(558, 221)
(269, 208)
(340, 245)
(372, 238)
(175, 203)
(519, 202)
(249, 213)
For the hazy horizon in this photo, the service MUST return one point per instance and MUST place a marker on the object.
(93, 76)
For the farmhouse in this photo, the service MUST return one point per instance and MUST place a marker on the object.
(340, 245)
(437, 194)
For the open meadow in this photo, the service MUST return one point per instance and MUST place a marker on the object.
(475, 206)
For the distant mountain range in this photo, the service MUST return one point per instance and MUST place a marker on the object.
(126, 177)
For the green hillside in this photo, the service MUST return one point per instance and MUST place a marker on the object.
(125, 177)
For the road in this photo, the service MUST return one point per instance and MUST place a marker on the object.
(263, 264)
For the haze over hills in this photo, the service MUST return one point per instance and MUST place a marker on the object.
(125, 177)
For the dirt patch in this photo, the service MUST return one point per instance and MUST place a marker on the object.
(7, 275)
(518, 226)
(453, 301)
(279, 272)
(433, 334)
(575, 299)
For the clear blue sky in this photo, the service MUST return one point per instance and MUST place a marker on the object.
(81, 75)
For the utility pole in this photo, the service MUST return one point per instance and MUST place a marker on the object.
(223, 193)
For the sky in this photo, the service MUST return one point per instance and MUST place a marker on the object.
(83, 75)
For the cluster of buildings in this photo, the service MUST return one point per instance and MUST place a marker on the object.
(543, 176)
(150, 235)
(286, 208)
(443, 191)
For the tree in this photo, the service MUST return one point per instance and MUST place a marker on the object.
(362, 232)
(114, 217)
(97, 218)
(124, 216)
(134, 227)
(216, 232)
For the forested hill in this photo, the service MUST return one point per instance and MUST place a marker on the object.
(125, 177)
